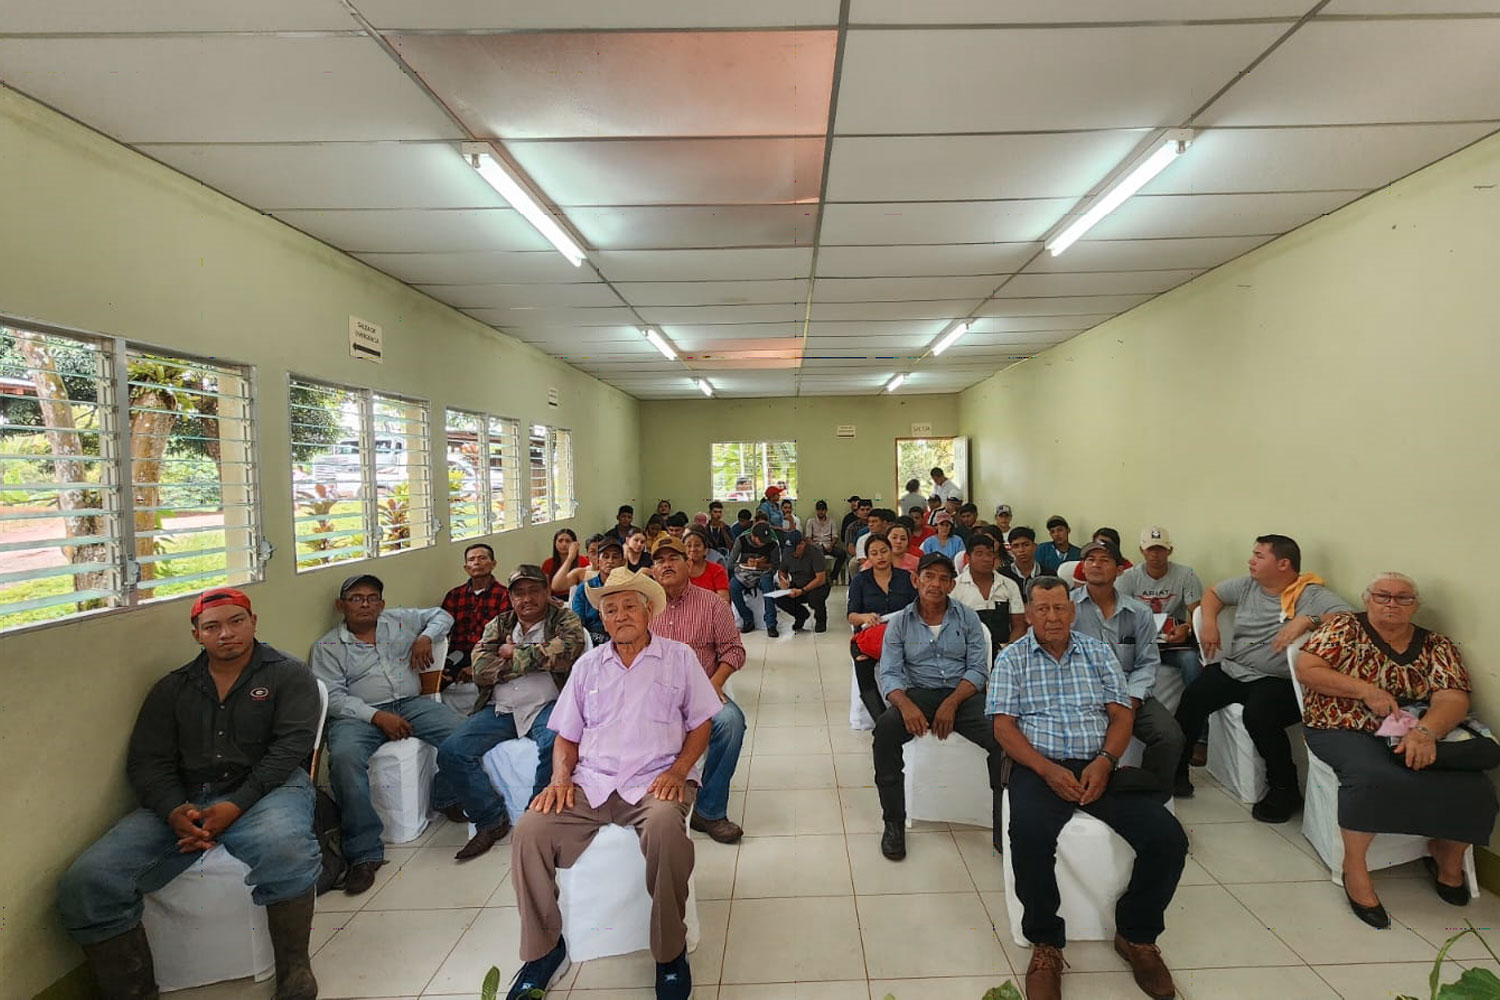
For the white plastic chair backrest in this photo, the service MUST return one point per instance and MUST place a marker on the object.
(1226, 635)
(439, 655)
(1065, 573)
(1291, 662)
(322, 721)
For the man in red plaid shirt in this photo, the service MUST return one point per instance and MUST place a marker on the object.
(473, 605)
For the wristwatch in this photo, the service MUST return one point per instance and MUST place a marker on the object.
(1113, 760)
(1317, 620)
(1424, 731)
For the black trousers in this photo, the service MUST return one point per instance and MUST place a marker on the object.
(864, 679)
(1037, 816)
(970, 722)
(798, 607)
(1270, 706)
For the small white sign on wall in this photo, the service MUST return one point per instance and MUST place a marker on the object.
(551, 395)
(921, 430)
(366, 340)
(844, 431)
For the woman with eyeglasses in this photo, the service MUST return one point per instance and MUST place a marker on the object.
(1356, 672)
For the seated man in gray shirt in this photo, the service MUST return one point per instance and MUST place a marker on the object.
(370, 664)
(1276, 603)
(803, 572)
(1129, 628)
(933, 663)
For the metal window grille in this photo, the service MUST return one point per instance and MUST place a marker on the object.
(740, 471)
(539, 459)
(564, 502)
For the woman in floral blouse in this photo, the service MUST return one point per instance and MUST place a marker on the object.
(1356, 670)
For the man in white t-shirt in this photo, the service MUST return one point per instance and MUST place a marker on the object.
(993, 595)
(945, 487)
(1174, 590)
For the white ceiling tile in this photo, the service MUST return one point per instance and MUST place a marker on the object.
(1080, 306)
(420, 231)
(855, 330)
(519, 296)
(1333, 72)
(518, 15)
(1074, 11)
(477, 268)
(954, 167)
(942, 222)
(1027, 326)
(36, 16)
(903, 289)
(1309, 159)
(664, 228)
(970, 80)
(674, 171)
(550, 318)
(696, 315)
(699, 337)
(709, 293)
(227, 88)
(704, 265)
(1167, 215)
(1094, 283)
(1144, 255)
(619, 337)
(901, 261)
(944, 309)
(588, 84)
(336, 175)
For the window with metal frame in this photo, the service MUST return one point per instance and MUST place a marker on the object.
(81, 419)
(740, 471)
(481, 454)
(564, 501)
(539, 460)
(361, 473)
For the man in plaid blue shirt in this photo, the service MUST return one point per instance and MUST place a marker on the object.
(1063, 715)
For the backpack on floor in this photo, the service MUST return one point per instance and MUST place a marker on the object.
(326, 827)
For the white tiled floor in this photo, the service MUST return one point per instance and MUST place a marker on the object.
(807, 909)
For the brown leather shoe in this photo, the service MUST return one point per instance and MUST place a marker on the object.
(725, 831)
(483, 840)
(1151, 973)
(1044, 974)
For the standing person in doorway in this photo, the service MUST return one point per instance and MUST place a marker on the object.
(944, 487)
(912, 497)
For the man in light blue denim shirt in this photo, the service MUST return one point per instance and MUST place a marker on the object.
(934, 660)
(370, 664)
(1129, 627)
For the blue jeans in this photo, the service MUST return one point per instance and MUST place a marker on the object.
(737, 595)
(723, 756)
(461, 758)
(350, 744)
(1190, 664)
(100, 895)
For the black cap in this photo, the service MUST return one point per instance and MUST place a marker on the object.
(527, 571)
(610, 542)
(761, 531)
(358, 578)
(937, 559)
(1108, 548)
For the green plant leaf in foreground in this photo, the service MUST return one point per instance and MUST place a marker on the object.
(1005, 991)
(1474, 984)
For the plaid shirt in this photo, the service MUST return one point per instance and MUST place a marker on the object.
(702, 619)
(472, 612)
(1059, 705)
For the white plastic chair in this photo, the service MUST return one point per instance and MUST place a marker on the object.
(1065, 573)
(401, 773)
(1320, 816)
(203, 925)
(948, 781)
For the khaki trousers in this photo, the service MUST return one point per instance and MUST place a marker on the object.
(545, 842)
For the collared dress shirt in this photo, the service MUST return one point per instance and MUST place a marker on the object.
(471, 610)
(630, 723)
(1130, 632)
(1058, 704)
(702, 620)
(912, 656)
(360, 675)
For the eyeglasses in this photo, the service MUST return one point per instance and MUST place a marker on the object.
(364, 599)
(1400, 600)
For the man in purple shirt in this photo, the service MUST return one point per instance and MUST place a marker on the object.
(632, 723)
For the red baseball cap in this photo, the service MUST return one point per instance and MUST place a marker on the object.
(219, 595)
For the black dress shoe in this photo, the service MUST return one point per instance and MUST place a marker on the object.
(1279, 805)
(361, 876)
(771, 632)
(746, 629)
(1375, 915)
(1453, 895)
(1182, 787)
(893, 840)
(820, 627)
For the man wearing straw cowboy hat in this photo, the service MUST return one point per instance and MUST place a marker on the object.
(632, 724)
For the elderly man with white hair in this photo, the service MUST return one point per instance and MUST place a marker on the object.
(1360, 672)
(632, 725)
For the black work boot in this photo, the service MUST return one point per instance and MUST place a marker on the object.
(122, 966)
(291, 925)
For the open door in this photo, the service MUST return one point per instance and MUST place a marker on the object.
(962, 473)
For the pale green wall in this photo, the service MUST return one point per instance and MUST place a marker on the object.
(678, 435)
(1337, 385)
(98, 238)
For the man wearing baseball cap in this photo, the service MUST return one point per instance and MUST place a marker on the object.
(218, 756)
(1172, 589)
(1002, 521)
(1129, 629)
(771, 504)
(752, 567)
(520, 663)
(804, 572)
(370, 663)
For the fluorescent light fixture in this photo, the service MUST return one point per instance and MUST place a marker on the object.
(705, 388)
(660, 344)
(895, 383)
(491, 169)
(1173, 146)
(951, 338)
